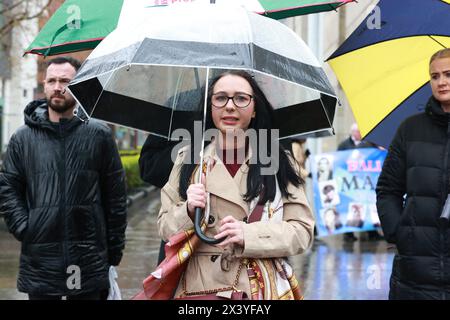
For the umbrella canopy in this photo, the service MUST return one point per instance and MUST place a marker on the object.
(384, 72)
(150, 74)
(81, 24)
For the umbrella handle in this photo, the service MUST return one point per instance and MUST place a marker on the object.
(198, 229)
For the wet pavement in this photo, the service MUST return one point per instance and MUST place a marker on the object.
(336, 270)
(331, 270)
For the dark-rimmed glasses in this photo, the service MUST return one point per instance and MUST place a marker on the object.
(240, 100)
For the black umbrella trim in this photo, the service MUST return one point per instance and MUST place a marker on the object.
(305, 119)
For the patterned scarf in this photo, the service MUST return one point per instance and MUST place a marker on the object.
(272, 278)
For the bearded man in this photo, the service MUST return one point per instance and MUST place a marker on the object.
(62, 194)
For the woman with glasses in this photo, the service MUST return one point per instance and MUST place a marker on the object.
(262, 215)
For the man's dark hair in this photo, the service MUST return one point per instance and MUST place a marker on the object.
(61, 60)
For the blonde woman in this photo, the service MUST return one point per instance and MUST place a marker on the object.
(418, 166)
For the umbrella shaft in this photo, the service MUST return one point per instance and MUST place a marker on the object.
(200, 171)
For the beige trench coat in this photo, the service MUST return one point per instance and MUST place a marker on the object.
(262, 239)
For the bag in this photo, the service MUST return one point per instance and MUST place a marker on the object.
(228, 293)
(114, 290)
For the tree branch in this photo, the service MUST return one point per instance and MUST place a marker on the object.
(14, 17)
(11, 6)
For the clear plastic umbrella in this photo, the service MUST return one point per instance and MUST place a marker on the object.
(152, 74)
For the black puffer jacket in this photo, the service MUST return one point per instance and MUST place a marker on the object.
(418, 165)
(62, 193)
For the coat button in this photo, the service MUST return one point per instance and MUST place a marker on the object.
(245, 219)
(211, 220)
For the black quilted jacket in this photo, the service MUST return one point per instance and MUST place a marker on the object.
(62, 194)
(417, 166)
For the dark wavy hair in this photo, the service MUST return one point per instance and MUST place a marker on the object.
(257, 184)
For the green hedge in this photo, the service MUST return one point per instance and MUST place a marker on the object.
(131, 165)
(130, 152)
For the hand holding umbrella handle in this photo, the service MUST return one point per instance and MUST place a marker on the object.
(198, 229)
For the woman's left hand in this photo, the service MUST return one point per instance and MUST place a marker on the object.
(232, 230)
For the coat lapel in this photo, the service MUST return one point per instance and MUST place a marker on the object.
(221, 184)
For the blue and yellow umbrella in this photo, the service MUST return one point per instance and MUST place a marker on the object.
(384, 71)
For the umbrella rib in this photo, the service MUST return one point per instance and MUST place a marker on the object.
(205, 101)
(79, 104)
(443, 46)
(197, 80)
(326, 114)
(250, 41)
(174, 103)
(101, 93)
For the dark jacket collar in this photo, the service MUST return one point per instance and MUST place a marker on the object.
(434, 110)
(36, 115)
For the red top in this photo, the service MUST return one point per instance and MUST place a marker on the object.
(232, 165)
(232, 168)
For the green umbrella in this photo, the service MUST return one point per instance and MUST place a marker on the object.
(81, 24)
(77, 25)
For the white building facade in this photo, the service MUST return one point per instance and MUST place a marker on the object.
(18, 84)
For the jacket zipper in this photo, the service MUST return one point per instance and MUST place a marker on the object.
(63, 197)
